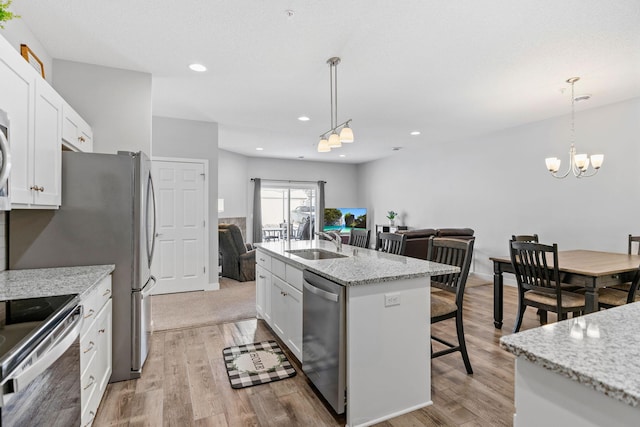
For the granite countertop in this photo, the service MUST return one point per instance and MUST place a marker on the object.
(42, 282)
(599, 350)
(360, 267)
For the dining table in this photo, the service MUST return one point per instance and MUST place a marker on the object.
(592, 270)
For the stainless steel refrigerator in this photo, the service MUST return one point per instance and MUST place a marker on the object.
(107, 216)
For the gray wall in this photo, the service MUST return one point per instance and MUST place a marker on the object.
(115, 102)
(236, 171)
(498, 184)
(189, 139)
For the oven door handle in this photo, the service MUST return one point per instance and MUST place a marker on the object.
(22, 379)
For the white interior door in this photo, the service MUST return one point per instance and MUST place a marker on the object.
(179, 263)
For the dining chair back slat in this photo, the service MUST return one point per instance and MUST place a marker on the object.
(634, 240)
(391, 243)
(359, 237)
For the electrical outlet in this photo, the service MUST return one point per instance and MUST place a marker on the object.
(391, 299)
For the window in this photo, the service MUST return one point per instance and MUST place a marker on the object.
(288, 210)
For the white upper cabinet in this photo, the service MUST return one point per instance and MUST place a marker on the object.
(76, 133)
(17, 99)
(39, 119)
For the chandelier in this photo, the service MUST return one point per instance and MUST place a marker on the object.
(578, 163)
(339, 133)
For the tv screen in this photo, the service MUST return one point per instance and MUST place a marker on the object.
(344, 219)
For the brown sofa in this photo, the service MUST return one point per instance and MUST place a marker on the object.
(418, 240)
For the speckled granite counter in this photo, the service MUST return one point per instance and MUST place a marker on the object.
(40, 282)
(361, 266)
(599, 350)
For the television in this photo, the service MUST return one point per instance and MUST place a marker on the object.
(342, 220)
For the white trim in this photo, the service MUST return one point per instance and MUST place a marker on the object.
(395, 414)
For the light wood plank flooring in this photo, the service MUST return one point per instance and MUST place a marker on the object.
(184, 382)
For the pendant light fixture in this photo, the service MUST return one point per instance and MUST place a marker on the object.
(578, 163)
(339, 133)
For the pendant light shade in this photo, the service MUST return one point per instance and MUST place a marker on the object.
(346, 134)
(323, 146)
(334, 140)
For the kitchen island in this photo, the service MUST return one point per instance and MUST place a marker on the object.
(581, 371)
(387, 328)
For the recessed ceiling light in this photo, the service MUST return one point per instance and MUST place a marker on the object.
(415, 132)
(198, 67)
(396, 148)
(304, 118)
(259, 149)
(301, 157)
(343, 155)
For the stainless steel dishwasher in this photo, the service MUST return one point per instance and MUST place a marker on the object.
(323, 338)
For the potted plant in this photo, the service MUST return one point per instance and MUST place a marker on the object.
(5, 13)
(391, 216)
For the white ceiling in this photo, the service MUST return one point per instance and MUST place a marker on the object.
(450, 69)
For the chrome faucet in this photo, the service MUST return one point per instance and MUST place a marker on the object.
(333, 237)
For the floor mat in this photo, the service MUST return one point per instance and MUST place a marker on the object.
(257, 363)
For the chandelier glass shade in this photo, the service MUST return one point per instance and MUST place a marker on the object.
(339, 133)
(578, 163)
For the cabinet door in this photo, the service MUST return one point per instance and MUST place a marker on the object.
(263, 288)
(279, 306)
(46, 152)
(294, 321)
(76, 133)
(17, 88)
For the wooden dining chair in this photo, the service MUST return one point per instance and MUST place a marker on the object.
(391, 243)
(614, 296)
(359, 237)
(458, 253)
(525, 238)
(539, 282)
(625, 287)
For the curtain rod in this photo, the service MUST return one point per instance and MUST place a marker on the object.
(287, 180)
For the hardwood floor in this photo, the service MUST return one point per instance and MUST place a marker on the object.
(184, 382)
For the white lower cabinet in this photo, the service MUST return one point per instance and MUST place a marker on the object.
(286, 314)
(279, 299)
(263, 293)
(95, 349)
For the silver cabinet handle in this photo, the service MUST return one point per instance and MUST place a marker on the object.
(92, 382)
(106, 292)
(89, 314)
(36, 188)
(91, 345)
(101, 331)
(93, 414)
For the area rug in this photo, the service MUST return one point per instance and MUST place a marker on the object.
(257, 363)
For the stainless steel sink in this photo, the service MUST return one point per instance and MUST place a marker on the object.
(315, 254)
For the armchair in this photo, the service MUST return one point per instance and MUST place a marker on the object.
(238, 258)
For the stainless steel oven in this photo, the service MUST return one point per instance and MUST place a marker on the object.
(40, 361)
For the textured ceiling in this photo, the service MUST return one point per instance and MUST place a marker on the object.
(450, 69)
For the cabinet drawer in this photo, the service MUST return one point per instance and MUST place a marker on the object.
(278, 268)
(95, 361)
(263, 260)
(294, 277)
(94, 302)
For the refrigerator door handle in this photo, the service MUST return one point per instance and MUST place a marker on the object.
(151, 204)
(146, 291)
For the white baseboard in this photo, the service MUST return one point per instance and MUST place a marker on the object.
(215, 286)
